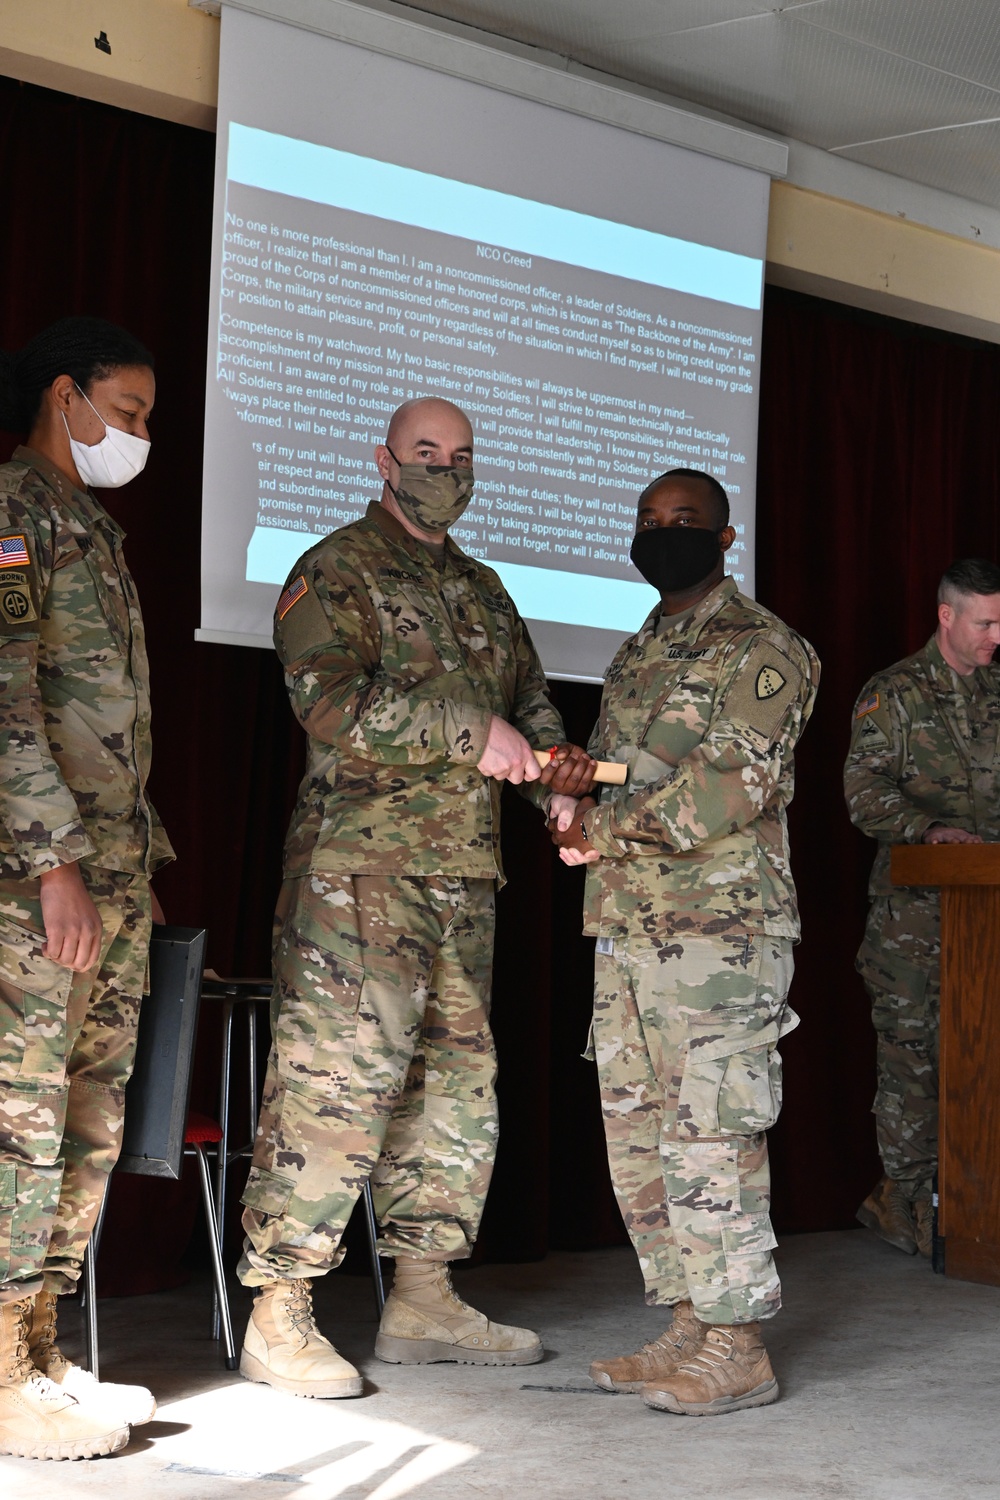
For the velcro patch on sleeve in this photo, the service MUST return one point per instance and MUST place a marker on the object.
(871, 732)
(16, 604)
(292, 595)
(867, 705)
(300, 622)
(14, 551)
(766, 683)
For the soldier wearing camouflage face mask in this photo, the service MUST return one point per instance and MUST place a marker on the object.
(923, 767)
(418, 686)
(691, 899)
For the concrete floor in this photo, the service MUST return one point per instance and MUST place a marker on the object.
(890, 1382)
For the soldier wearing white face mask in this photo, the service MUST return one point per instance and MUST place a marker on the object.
(78, 842)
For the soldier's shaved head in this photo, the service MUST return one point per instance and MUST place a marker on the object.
(432, 411)
(428, 431)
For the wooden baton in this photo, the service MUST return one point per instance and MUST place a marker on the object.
(606, 770)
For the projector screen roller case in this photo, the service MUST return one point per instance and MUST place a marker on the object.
(590, 297)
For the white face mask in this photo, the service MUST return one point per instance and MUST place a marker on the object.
(112, 462)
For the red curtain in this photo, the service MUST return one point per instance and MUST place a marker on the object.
(878, 465)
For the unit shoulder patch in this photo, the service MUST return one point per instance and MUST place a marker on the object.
(869, 734)
(16, 604)
(769, 682)
(764, 687)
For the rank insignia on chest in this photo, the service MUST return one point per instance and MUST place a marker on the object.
(769, 682)
(292, 595)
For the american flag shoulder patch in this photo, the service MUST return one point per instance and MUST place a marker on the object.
(13, 551)
(868, 707)
(292, 595)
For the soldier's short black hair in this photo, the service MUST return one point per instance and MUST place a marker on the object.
(719, 494)
(970, 575)
(86, 349)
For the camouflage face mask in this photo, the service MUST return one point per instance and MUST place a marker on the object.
(432, 496)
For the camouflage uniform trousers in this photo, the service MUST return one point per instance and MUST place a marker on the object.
(382, 1065)
(67, 1044)
(685, 1036)
(902, 976)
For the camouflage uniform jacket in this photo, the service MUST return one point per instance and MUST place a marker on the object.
(706, 716)
(74, 706)
(925, 748)
(395, 666)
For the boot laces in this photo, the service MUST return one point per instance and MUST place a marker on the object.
(298, 1305)
(22, 1363)
(45, 1341)
(715, 1351)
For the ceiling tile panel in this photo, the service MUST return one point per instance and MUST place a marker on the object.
(864, 77)
(964, 161)
(571, 27)
(787, 75)
(958, 36)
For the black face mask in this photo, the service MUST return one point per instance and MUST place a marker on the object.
(675, 558)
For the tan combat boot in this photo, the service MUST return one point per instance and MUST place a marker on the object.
(923, 1225)
(730, 1370)
(37, 1418)
(284, 1348)
(887, 1212)
(423, 1323)
(631, 1372)
(129, 1403)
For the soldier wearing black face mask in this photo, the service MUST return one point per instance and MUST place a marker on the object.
(693, 906)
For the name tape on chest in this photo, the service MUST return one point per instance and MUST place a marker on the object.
(400, 575)
(498, 603)
(690, 653)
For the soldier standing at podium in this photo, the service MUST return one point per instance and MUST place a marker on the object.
(924, 766)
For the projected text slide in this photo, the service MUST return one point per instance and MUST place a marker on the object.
(589, 355)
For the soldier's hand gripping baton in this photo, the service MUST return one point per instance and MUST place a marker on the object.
(605, 770)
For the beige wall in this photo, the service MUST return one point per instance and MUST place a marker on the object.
(855, 255)
(164, 61)
(164, 57)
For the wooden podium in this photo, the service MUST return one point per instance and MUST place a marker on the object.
(969, 1120)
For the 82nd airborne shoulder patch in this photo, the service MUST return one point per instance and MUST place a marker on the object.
(17, 607)
(16, 604)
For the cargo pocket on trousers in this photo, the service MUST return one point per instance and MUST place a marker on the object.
(8, 1202)
(748, 1242)
(727, 1087)
(317, 1021)
(34, 992)
(267, 1193)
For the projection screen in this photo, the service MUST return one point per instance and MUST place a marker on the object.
(590, 296)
